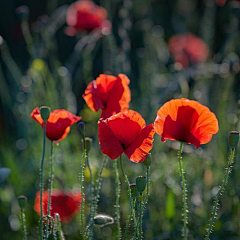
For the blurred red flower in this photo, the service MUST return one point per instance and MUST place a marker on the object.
(222, 2)
(188, 49)
(65, 203)
(125, 132)
(186, 120)
(85, 15)
(58, 124)
(109, 93)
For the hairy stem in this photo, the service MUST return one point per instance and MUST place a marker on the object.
(117, 180)
(184, 191)
(129, 192)
(220, 192)
(23, 223)
(41, 180)
(50, 187)
(82, 220)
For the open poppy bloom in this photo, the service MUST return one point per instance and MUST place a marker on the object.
(109, 93)
(186, 120)
(125, 132)
(85, 15)
(58, 123)
(65, 203)
(188, 49)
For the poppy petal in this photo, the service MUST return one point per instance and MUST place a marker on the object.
(186, 120)
(139, 149)
(126, 126)
(36, 115)
(119, 97)
(109, 144)
(92, 98)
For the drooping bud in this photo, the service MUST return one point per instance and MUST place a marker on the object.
(23, 12)
(81, 127)
(134, 190)
(233, 138)
(141, 183)
(45, 112)
(103, 220)
(22, 200)
(148, 161)
(88, 143)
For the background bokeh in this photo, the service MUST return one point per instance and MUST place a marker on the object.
(41, 65)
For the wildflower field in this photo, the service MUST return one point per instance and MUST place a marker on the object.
(119, 119)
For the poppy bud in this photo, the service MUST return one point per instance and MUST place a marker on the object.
(88, 143)
(22, 201)
(45, 112)
(148, 161)
(134, 190)
(81, 127)
(141, 183)
(233, 138)
(103, 220)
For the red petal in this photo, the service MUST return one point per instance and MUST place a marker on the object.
(126, 126)
(118, 97)
(139, 149)
(186, 120)
(37, 116)
(92, 98)
(109, 143)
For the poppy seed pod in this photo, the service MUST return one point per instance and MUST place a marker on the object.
(141, 183)
(103, 220)
(148, 161)
(22, 201)
(81, 127)
(88, 143)
(233, 138)
(45, 112)
(134, 190)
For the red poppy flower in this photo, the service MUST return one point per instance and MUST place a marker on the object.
(125, 132)
(65, 203)
(58, 124)
(188, 49)
(109, 93)
(85, 15)
(186, 120)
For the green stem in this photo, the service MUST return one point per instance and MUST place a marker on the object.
(129, 192)
(27, 36)
(148, 189)
(136, 231)
(23, 222)
(41, 180)
(50, 186)
(82, 220)
(95, 202)
(128, 223)
(184, 189)
(91, 195)
(220, 192)
(115, 163)
(140, 217)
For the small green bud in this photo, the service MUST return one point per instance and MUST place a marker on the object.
(233, 138)
(45, 112)
(141, 183)
(103, 220)
(134, 190)
(22, 200)
(148, 161)
(88, 142)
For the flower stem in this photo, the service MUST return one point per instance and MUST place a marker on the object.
(50, 186)
(117, 180)
(23, 223)
(136, 231)
(220, 192)
(184, 189)
(82, 220)
(95, 202)
(148, 189)
(140, 217)
(41, 180)
(91, 195)
(129, 192)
